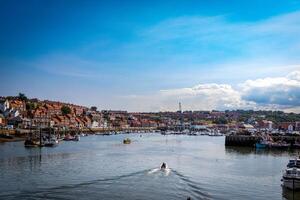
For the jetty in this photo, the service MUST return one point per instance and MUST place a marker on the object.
(250, 140)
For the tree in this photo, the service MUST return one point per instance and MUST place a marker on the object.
(31, 106)
(22, 97)
(221, 120)
(94, 108)
(65, 110)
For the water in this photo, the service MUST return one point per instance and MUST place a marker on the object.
(101, 167)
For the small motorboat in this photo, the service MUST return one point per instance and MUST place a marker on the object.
(126, 141)
(77, 138)
(68, 138)
(31, 143)
(163, 166)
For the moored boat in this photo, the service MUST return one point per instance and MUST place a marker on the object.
(262, 144)
(291, 176)
(280, 145)
(126, 141)
(68, 138)
(51, 142)
(76, 138)
(31, 143)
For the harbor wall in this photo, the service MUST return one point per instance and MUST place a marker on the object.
(249, 141)
(241, 140)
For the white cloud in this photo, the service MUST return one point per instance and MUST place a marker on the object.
(278, 93)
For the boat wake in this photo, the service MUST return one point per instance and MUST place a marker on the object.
(166, 171)
(186, 187)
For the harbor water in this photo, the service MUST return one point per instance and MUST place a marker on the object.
(102, 167)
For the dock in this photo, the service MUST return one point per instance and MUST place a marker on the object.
(249, 140)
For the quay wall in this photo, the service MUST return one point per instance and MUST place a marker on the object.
(240, 140)
(249, 141)
(24, 132)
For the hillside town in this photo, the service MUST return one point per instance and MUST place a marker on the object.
(20, 112)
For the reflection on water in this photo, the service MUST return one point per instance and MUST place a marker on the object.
(272, 152)
(103, 168)
(290, 195)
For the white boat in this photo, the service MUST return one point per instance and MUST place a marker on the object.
(291, 176)
(77, 138)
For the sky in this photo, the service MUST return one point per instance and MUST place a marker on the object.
(151, 55)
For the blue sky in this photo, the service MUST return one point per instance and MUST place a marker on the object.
(149, 55)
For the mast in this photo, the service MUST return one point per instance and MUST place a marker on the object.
(180, 116)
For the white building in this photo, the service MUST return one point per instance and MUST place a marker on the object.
(4, 105)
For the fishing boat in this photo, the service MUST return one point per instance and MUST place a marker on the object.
(126, 141)
(262, 144)
(280, 145)
(291, 176)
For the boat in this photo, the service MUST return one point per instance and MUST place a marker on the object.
(294, 163)
(261, 144)
(31, 143)
(126, 141)
(296, 145)
(68, 138)
(72, 138)
(291, 176)
(280, 145)
(51, 142)
(163, 166)
(76, 138)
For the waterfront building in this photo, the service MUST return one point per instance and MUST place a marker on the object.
(2, 120)
(4, 105)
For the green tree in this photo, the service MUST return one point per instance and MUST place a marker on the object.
(94, 108)
(22, 97)
(65, 110)
(31, 106)
(221, 120)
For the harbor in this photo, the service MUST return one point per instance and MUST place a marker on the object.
(201, 167)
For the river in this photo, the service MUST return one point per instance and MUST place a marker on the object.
(102, 167)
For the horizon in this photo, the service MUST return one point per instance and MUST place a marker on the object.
(143, 56)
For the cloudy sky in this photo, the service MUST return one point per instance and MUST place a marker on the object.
(150, 55)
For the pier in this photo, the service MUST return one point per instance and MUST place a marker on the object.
(249, 140)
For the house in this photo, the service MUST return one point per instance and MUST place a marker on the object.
(289, 126)
(9, 113)
(248, 128)
(53, 109)
(41, 118)
(87, 121)
(2, 120)
(265, 124)
(4, 105)
(18, 105)
(72, 120)
(15, 121)
(79, 122)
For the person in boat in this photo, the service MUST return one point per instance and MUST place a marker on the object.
(163, 166)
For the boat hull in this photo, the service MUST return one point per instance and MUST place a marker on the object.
(291, 183)
(260, 145)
